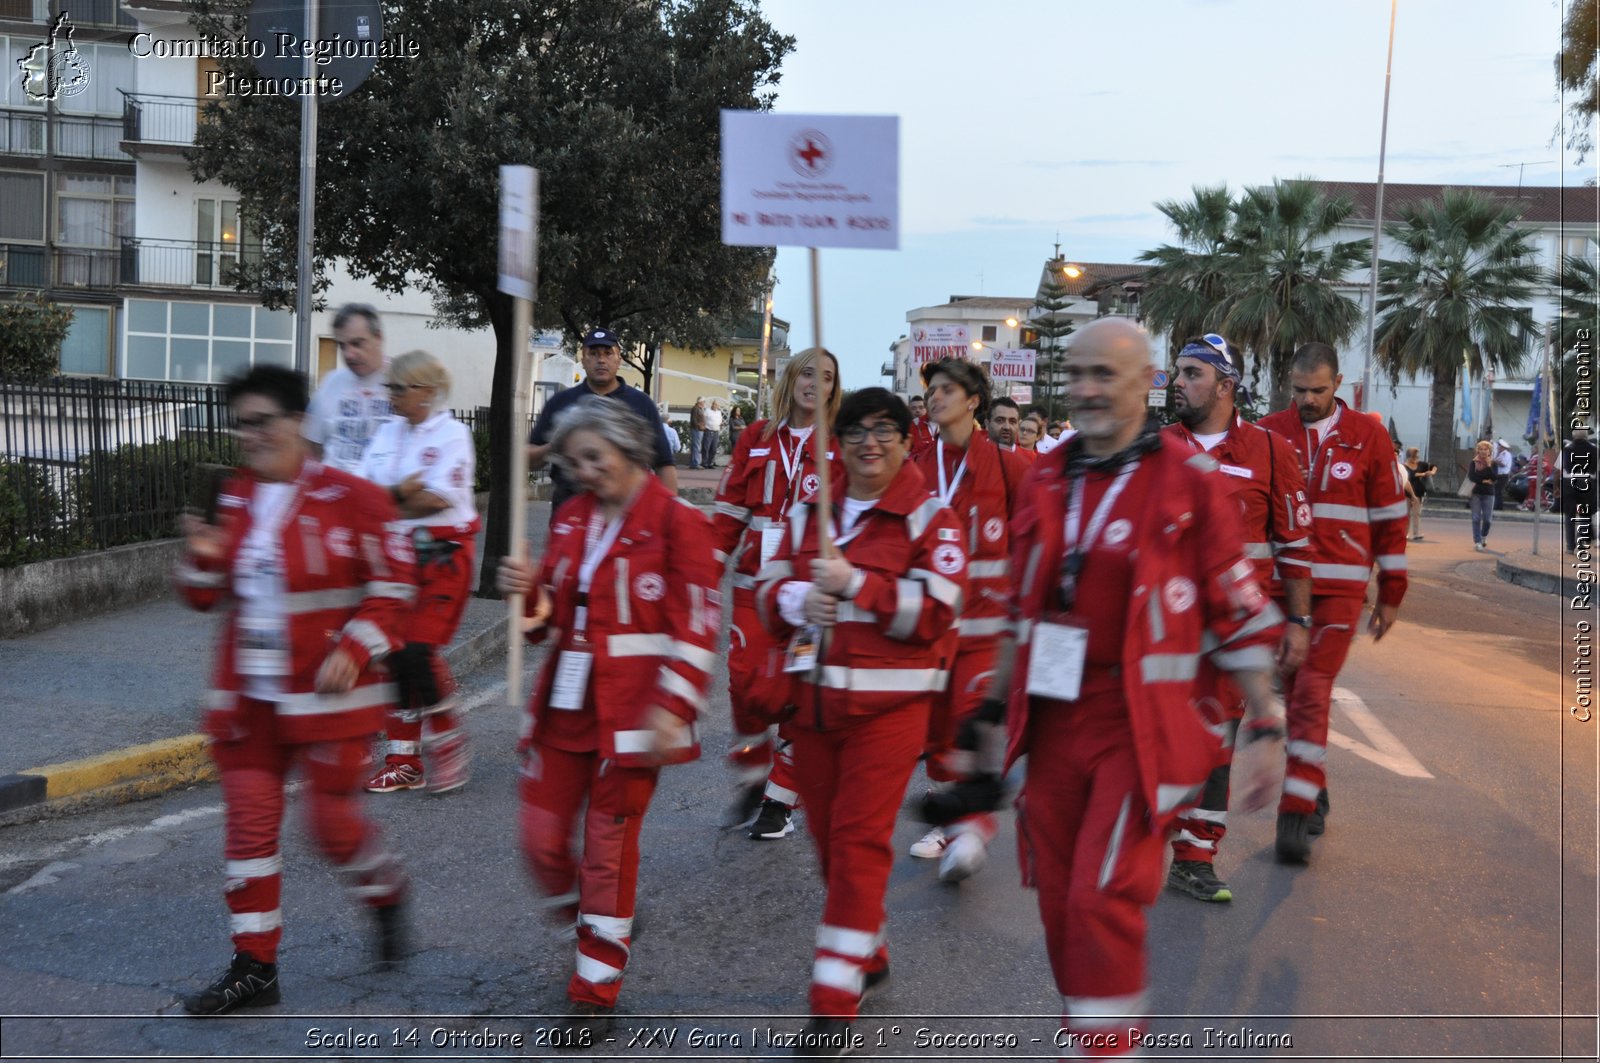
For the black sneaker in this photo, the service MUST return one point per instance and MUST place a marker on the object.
(1319, 818)
(825, 1039)
(247, 983)
(1294, 840)
(875, 982)
(776, 820)
(589, 1023)
(394, 936)
(1199, 880)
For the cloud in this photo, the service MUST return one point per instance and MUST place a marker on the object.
(1090, 219)
(1067, 164)
(992, 221)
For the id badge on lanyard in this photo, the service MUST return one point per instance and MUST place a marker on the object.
(771, 539)
(572, 680)
(261, 647)
(1055, 662)
(801, 656)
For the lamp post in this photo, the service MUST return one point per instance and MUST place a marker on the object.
(1377, 219)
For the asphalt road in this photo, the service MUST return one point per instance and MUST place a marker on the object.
(1448, 913)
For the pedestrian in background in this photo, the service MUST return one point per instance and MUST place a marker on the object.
(1028, 433)
(351, 402)
(1128, 551)
(736, 425)
(922, 430)
(1504, 460)
(713, 434)
(887, 599)
(697, 432)
(773, 470)
(1420, 474)
(424, 458)
(1484, 475)
(318, 589)
(628, 586)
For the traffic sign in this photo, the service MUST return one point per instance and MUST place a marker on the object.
(349, 38)
(1159, 379)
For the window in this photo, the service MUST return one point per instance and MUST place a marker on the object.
(92, 211)
(222, 241)
(25, 10)
(87, 348)
(110, 69)
(203, 341)
(22, 206)
(991, 333)
(1583, 247)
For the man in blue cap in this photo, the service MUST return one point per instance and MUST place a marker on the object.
(602, 357)
(1262, 473)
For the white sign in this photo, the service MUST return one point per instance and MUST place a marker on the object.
(1158, 397)
(519, 231)
(1012, 363)
(1021, 392)
(930, 343)
(810, 180)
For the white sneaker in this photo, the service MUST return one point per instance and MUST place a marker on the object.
(964, 856)
(930, 846)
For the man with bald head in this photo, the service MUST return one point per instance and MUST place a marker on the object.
(1128, 550)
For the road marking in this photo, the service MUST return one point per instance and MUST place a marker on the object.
(1385, 750)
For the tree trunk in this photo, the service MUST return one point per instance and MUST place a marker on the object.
(1442, 449)
(1278, 379)
(497, 536)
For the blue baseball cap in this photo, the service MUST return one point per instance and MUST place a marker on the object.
(600, 337)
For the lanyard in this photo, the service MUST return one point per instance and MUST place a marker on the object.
(792, 463)
(597, 544)
(948, 491)
(1077, 550)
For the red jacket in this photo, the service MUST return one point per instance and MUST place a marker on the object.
(1192, 589)
(1263, 473)
(923, 433)
(349, 581)
(983, 504)
(1358, 503)
(756, 491)
(886, 651)
(653, 619)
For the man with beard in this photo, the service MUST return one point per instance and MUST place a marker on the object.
(1263, 474)
(1358, 504)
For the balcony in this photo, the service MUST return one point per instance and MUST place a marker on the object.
(37, 266)
(887, 369)
(25, 132)
(155, 126)
(147, 263)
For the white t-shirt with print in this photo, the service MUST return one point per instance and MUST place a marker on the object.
(345, 414)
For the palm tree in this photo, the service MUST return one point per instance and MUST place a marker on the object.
(1190, 279)
(1287, 275)
(1459, 294)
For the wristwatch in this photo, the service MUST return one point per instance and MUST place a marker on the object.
(1301, 621)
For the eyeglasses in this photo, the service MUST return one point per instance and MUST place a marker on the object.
(241, 425)
(396, 389)
(883, 432)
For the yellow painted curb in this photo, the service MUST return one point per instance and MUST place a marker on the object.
(184, 757)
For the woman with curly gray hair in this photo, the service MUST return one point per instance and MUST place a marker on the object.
(627, 592)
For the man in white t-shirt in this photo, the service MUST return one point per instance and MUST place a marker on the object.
(352, 401)
(1504, 459)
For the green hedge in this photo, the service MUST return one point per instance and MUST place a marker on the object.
(29, 510)
(136, 492)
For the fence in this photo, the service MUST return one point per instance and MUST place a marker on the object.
(90, 464)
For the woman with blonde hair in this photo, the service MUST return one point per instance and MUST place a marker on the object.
(425, 458)
(772, 469)
(1482, 473)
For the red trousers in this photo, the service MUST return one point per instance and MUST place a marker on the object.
(1087, 846)
(754, 666)
(853, 780)
(442, 591)
(253, 770)
(555, 783)
(1201, 827)
(1333, 627)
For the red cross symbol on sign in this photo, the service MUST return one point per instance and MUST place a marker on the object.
(810, 153)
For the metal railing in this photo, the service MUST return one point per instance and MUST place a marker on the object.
(163, 120)
(149, 263)
(24, 266)
(76, 136)
(37, 266)
(89, 464)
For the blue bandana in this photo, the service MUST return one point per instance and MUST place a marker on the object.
(1214, 351)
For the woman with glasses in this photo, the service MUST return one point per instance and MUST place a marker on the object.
(318, 590)
(772, 470)
(862, 625)
(424, 458)
(627, 596)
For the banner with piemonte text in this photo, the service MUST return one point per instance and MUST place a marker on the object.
(930, 343)
(810, 180)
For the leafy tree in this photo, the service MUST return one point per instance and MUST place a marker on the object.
(1288, 267)
(31, 332)
(1577, 73)
(1051, 326)
(1578, 281)
(1190, 280)
(1460, 293)
(616, 102)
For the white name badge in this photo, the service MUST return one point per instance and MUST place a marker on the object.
(262, 648)
(572, 679)
(801, 656)
(771, 539)
(1055, 661)
(1237, 470)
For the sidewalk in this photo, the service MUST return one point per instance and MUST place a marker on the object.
(106, 708)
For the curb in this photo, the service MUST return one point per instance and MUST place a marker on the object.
(1527, 577)
(154, 768)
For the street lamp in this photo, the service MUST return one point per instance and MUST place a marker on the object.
(1377, 220)
(1071, 272)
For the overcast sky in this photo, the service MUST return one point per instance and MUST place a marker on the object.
(1019, 118)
